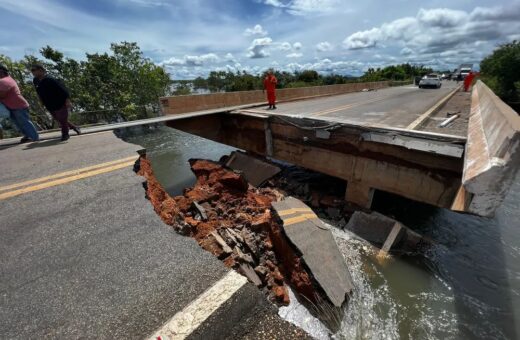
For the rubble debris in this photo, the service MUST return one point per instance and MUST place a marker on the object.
(233, 220)
(221, 242)
(200, 210)
(386, 233)
(305, 231)
(256, 171)
(448, 121)
(249, 272)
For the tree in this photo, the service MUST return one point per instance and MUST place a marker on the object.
(121, 85)
(501, 71)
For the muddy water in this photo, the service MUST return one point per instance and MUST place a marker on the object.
(467, 286)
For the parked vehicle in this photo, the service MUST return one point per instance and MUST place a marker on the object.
(430, 80)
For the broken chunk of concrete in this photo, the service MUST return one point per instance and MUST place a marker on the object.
(246, 258)
(250, 242)
(386, 233)
(221, 242)
(319, 250)
(229, 236)
(372, 227)
(236, 235)
(200, 210)
(255, 170)
(261, 271)
(249, 272)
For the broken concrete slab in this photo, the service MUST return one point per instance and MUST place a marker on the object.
(246, 258)
(255, 170)
(372, 227)
(221, 242)
(314, 240)
(200, 210)
(386, 233)
(250, 273)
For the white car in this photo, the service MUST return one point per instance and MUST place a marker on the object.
(430, 80)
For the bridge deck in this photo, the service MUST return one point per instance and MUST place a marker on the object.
(396, 107)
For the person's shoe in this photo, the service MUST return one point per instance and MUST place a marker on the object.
(269, 108)
(64, 138)
(274, 107)
(25, 140)
(77, 129)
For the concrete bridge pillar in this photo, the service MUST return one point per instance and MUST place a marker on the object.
(359, 194)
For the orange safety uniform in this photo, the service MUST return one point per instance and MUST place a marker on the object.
(270, 86)
(468, 80)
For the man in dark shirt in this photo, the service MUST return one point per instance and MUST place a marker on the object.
(55, 98)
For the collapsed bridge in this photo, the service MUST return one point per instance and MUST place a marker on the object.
(375, 140)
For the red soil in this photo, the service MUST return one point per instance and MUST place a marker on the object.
(229, 202)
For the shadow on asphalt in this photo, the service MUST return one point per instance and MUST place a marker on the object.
(51, 142)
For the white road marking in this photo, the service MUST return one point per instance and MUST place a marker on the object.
(192, 316)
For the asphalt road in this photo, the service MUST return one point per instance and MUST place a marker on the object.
(394, 106)
(90, 258)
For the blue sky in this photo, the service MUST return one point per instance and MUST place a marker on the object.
(192, 37)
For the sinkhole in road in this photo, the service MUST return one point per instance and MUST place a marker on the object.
(464, 288)
(233, 220)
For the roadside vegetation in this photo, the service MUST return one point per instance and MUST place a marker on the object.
(501, 72)
(242, 81)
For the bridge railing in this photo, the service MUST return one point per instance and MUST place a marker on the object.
(191, 103)
(492, 156)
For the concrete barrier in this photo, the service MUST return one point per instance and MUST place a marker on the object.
(492, 155)
(191, 103)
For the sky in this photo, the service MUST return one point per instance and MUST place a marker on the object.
(190, 38)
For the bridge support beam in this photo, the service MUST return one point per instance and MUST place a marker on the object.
(358, 154)
(359, 194)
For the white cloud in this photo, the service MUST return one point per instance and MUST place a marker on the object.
(256, 30)
(441, 17)
(230, 57)
(192, 60)
(285, 46)
(435, 30)
(297, 46)
(324, 46)
(509, 13)
(328, 66)
(294, 55)
(363, 39)
(259, 48)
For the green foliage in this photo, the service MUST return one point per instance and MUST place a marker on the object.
(182, 89)
(395, 72)
(121, 85)
(501, 71)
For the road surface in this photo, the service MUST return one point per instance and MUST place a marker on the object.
(84, 255)
(394, 107)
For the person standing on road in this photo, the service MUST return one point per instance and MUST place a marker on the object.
(270, 82)
(468, 81)
(18, 107)
(55, 97)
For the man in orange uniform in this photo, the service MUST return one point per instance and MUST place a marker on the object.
(270, 82)
(468, 80)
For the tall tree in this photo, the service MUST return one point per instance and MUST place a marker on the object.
(501, 71)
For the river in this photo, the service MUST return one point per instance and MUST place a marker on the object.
(466, 287)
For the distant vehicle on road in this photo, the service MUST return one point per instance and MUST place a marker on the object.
(430, 80)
